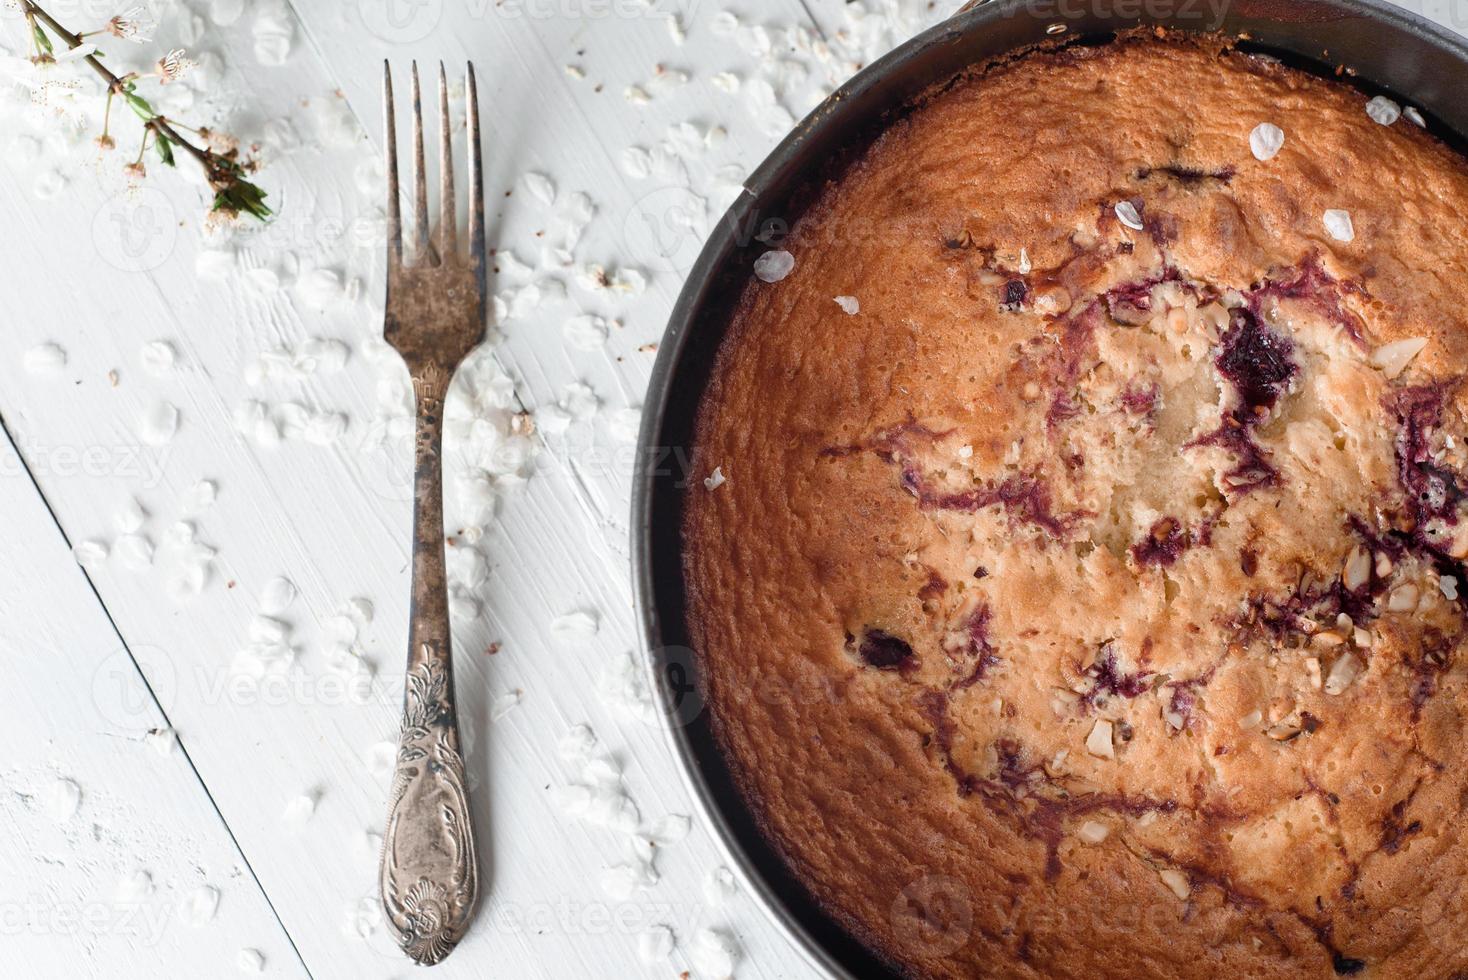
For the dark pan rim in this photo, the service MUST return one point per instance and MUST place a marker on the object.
(1382, 48)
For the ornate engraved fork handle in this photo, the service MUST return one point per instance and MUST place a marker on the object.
(429, 875)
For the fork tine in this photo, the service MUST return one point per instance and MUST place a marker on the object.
(420, 246)
(476, 185)
(448, 239)
(394, 211)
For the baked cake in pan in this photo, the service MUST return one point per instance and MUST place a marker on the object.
(1084, 595)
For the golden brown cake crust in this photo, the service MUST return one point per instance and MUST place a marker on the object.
(1086, 604)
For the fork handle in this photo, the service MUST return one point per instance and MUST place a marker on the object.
(429, 873)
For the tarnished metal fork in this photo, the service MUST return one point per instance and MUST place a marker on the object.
(435, 317)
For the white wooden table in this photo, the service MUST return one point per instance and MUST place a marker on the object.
(118, 839)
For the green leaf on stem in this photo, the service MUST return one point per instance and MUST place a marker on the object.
(140, 106)
(164, 146)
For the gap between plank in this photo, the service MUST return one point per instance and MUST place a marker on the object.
(152, 696)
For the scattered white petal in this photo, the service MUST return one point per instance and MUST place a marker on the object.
(622, 683)
(671, 829)
(655, 944)
(134, 551)
(637, 162)
(381, 758)
(1265, 140)
(363, 917)
(90, 554)
(202, 496)
(160, 424)
(586, 331)
(161, 740)
(849, 304)
(277, 596)
(1126, 213)
(274, 31)
(48, 184)
(1338, 225)
(62, 798)
(714, 954)
(179, 534)
(774, 265)
(1414, 116)
(719, 886)
(300, 809)
(541, 187)
(622, 881)
(503, 705)
(45, 359)
(625, 424)
(578, 744)
(267, 629)
(359, 610)
(199, 906)
(715, 479)
(250, 960)
(1383, 110)
(574, 626)
(158, 357)
(226, 12)
(134, 886)
(130, 516)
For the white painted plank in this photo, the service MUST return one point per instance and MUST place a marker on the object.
(111, 835)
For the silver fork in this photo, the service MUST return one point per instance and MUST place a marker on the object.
(435, 316)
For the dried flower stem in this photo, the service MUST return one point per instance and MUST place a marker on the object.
(233, 193)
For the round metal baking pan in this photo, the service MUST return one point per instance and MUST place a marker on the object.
(1374, 45)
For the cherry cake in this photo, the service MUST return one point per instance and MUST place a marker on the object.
(1082, 592)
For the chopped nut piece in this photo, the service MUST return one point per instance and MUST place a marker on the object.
(1383, 565)
(1031, 391)
(1093, 832)
(1357, 570)
(1342, 673)
(1312, 667)
(1327, 638)
(1052, 300)
(1283, 730)
(1458, 542)
(1403, 599)
(1098, 743)
(1177, 881)
(1392, 359)
(1449, 586)
(1251, 720)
